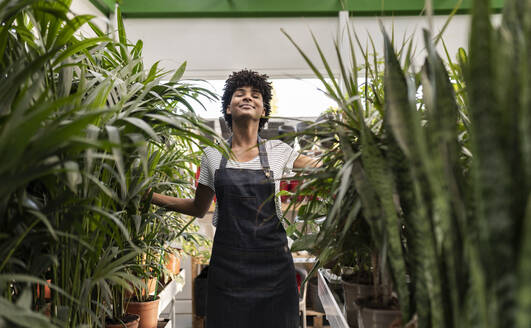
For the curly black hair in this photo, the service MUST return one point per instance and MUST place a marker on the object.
(247, 78)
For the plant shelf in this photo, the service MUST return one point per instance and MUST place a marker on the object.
(333, 311)
(164, 324)
(167, 297)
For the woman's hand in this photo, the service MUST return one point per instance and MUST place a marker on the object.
(147, 195)
(198, 206)
(304, 161)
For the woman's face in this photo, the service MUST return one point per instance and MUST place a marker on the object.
(246, 104)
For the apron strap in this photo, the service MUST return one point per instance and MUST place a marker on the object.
(261, 152)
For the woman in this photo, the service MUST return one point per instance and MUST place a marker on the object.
(251, 277)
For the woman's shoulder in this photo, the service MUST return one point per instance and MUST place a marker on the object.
(210, 150)
(212, 154)
(277, 145)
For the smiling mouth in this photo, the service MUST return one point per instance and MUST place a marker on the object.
(247, 106)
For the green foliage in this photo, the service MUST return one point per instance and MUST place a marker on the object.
(85, 132)
(443, 180)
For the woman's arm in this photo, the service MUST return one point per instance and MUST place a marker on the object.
(198, 206)
(304, 161)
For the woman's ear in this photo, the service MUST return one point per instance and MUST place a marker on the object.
(228, 110)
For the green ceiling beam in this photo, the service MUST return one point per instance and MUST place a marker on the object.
(283, 8)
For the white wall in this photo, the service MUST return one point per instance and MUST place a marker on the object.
(85, 7)
(213, 47)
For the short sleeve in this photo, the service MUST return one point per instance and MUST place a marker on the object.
(292, 155)
(205, 174)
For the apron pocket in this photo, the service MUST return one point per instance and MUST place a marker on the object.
(241, 270)
(243, 207)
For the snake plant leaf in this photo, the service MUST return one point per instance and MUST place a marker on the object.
(525, 117)
(402, 118)
(381, 179)
(445, 176)
(511, 50)
(523, 309)
(415, 251)
(396, 94)
(369, 200)
(492, 175)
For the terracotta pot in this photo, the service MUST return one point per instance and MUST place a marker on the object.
(151, 284)
(354, 292)
(47, 291)
(173, 263)
(375, 318)
(130, 320)
(284, 186)
(148, 312)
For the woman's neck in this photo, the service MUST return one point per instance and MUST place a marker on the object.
(244, 137)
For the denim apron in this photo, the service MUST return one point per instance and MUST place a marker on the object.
(251, 277)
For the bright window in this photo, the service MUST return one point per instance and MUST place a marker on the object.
(291, 98)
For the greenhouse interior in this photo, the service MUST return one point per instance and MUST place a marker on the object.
(265, 164)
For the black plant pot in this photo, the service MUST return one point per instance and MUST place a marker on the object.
(313, 295)
(376, 318)
(354, 292)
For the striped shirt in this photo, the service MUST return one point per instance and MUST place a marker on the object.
(280, 155)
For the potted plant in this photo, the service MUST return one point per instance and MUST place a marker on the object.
(356, 230)
(85, 135)
(444, 181)
(359, 267)
(172, 260)
(120, 316)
